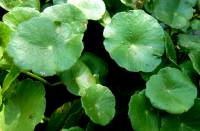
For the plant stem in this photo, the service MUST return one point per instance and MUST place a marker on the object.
(37, 77)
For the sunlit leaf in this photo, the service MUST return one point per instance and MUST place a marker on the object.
(25, 108)
(10, 4)
(93, 9)
(19, 15)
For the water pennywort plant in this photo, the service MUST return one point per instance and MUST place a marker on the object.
(42, 42)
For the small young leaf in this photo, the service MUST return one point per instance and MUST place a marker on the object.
(142, 115)
(93, 9)
(10, 4)
(25, 108)
(135, 41)
(171, 90)
(19, 15)
(189, 121)
(78, 78)
(170, 49)
(99, 104)
(10, 77)
(97, 66)
(44, 47)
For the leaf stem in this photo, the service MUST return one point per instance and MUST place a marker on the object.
(37, 77)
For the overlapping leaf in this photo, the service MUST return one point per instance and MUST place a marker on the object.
(142, 115)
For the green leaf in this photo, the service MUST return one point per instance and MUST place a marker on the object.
(135, 41)
(0, 97)
(142, 115)
(171, 90)
(58, 117)
(45, 47)
(189, 121)
(195, 24)
(19, 15)
(195, 58)
(93, 9)
(97, 66)
(76, 128)
(99, 104)
(66, 13)
(5, 34)
(191, 43)
(10, 4)
(10, 77)
(78, 78)
(175, 13)
(170, 49)
(25, 108)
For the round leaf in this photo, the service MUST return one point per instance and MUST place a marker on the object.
(175, 13)
(189, 121)
(19, 15)
(142, 115)
(135, 41)
(78, 78)
(10, 4)
(171, 90)
(93, 9)
(25, 108)
(67, 13)
(99, 104)
(45, 47)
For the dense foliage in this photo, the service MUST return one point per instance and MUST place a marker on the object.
(45, 46)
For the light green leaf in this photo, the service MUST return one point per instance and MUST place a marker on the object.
(135, 41)
(171, 90)
(93, 9)
(19, 15)
(142, 115)
(99, 104)
(5, 33)
(45, 47)
(10, 4)
(175, 13)
(25, 108)
(0, 97)
(66, 13)
(78, 78)
(170, 49)
(189, 121)
(10, 77)
(76, 128)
